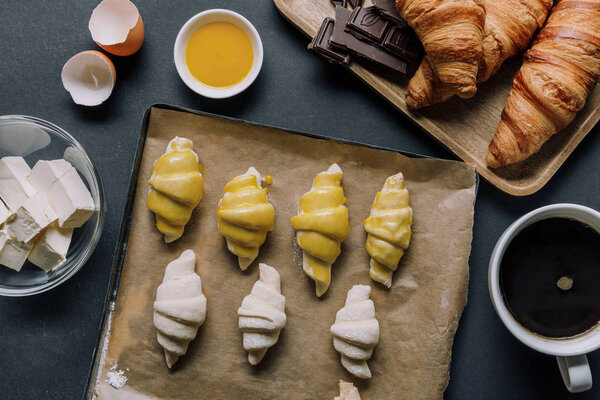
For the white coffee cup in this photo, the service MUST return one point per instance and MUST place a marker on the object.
(570, 353)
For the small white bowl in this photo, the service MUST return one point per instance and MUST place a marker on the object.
(191, 26)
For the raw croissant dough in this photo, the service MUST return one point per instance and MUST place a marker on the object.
(176, 187)
(245, 216)
(356, 331)
(348, 391)
(389, 229)
(322, 225)
(262, 314)
(180, 307)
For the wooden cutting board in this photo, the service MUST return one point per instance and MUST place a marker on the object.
(465, 127)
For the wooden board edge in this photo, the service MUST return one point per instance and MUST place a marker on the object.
(433, 130)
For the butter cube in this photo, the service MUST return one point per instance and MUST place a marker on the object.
(64, 190)
(30, 218)
(13, 253)
(50, 249)
(4, 213)
(45, 173)
(14, 186)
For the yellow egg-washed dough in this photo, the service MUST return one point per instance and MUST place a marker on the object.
(322, 225)
(389, 229)
(245, 216)
(176, 187)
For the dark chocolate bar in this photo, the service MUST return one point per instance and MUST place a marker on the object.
(365, 22)
(346, 41)
(402, 41)
(320, 44)
(355, 3)
(341, 3)
(387, 9)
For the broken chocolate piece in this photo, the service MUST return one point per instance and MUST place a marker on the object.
(320, 44)
(346, 41)
(403, 43)
(365, 22)
(355, 3)
(341, 3)
(387, 9)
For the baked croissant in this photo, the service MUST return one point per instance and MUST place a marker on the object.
(262, 314)
(347, 391)
(356, 331)
(180, 307)
(509, 27)
(322, 225)
(557, 75)
(388, 229)
(245, 216)
(451, 32)
(176, 187)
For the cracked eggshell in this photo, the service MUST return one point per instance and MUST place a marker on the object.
(89, 77)
(117, 27)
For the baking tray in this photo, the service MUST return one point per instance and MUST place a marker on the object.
(465, 127)
(120, 251)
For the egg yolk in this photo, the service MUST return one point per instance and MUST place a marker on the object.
(219, 54)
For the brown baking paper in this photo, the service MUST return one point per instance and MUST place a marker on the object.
(418, 316)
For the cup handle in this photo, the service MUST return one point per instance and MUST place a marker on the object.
(575, 371)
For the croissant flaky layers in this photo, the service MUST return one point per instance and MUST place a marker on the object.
(509, 27)
(321, 226)
(388, 229)
(356, 331)
(557, 76)
(262, 314)
(245, 216)
(451, 32)
(176, 187)
(180, 307)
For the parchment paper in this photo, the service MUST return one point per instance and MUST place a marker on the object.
(418, 316)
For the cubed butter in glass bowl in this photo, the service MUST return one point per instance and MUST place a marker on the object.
(35, 139)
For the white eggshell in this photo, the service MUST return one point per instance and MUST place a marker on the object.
(117, 27)
(89, 77)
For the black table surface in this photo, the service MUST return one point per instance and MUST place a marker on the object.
(47, 341)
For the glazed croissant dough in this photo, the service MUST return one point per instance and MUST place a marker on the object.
(245, 216)
(356, 331)
(180, 307)
(262, 314)
(388, 229)
(322, 225)
(176, 187)
(348, 391)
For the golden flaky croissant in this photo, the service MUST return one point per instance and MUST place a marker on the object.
(557, 75)
(245, 216)
(451, 32)
(322, 225)
(180, 307)
(176, 187)
(388, 229)
(509, 27)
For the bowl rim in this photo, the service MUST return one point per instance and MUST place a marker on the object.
(197, 86)
(97, 231)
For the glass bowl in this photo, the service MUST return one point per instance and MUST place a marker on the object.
(35, 139)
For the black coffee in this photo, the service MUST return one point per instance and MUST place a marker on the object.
(550, 277)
